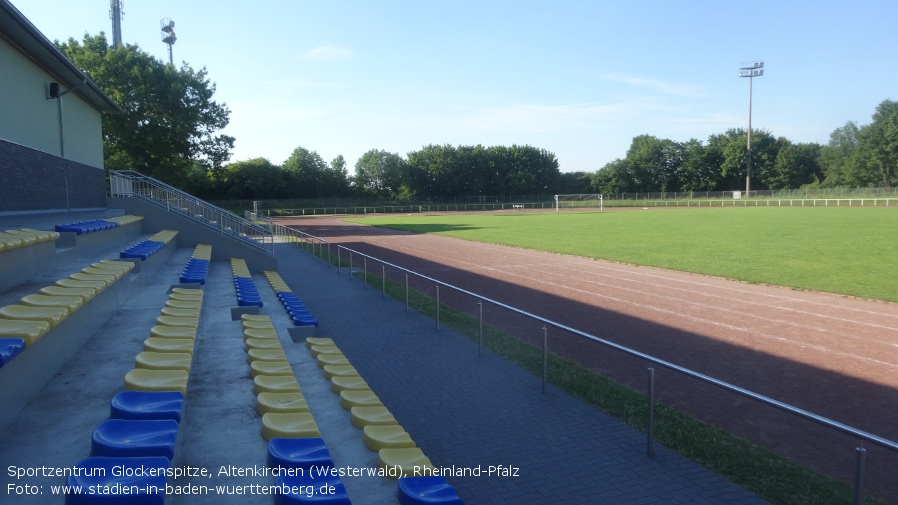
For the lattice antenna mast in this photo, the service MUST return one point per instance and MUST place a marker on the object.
(168, 36)
(116, 12)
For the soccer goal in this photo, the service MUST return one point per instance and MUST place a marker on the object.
(580, 201)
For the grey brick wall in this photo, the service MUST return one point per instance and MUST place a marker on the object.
(34, 180)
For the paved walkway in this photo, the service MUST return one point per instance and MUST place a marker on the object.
(468, 412)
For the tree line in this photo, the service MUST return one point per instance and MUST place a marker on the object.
(170, 129)
(855, 157)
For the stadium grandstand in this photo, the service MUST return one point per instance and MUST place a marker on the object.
(157, 349)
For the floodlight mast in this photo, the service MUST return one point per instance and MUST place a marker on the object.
(755, 69)
(116, 11)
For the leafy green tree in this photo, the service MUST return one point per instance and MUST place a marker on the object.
(306, 174)
(795, 166)
(337, 180)
(380, 173)
(839, 157)
(879, 143)
(169, 122)
(252, 179)
(701, 167)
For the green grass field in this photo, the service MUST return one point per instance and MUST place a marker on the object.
(836, 249)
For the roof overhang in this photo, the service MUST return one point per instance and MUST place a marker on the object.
(27, 39)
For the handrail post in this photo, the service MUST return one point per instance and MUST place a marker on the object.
(365, 268)
(480, 346)
(383, 281)
(438, 308)
(338, 260)
(650, 421)
(406, 293)
(860, 460)
(350, 264)
(545, 357)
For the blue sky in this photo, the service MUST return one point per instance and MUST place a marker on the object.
(578, 78)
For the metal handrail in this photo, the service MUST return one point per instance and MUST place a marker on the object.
(860, 457)
(128, 183)
(888, 444)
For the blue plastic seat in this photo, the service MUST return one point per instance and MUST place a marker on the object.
(129, 438)
(302, 453)
(10, 348)
(311, 487)
(426, 490)
(142, 483)
(142, 405)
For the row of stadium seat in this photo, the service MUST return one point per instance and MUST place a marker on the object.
(150, 246)
(198, 265)
(294, 440)
(144, 419)
(94, 225)
(398, 455)
(245, 288)
(13, 239)
(292, 304)
(23, 324)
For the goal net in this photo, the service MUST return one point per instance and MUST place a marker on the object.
(580, 201)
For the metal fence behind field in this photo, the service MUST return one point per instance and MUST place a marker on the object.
(361, 263)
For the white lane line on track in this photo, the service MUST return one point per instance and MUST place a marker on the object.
(742, 329)
(700, 293)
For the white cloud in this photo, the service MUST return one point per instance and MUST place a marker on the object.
(665, 87)
(328, 52)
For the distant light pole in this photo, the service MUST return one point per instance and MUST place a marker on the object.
(755, 69)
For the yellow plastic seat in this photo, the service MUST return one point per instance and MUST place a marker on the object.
(391, 436)
(28, 330)
(106, 278)
(178, 321)
(74, 283)
(115, 273)
(127, 266)
(331, 371)
(350, 398)
(270, 368)
(260, 333)
(158, 344)
(331, 359)
(184, 304)
(275, 384)
(84, 293)
(151, 360)
(195, 292)
(280, 402)
(70, 303)
(141, 379)
(317, 350)
(120, 267)
(255, 317)
(37, 235)
(310, 341)
(262, 343)
(260, 325)
(409, 461)
(289, 425)
(12, 241)
(171, 311)
(51, 315)
(365, 416)
(351, 382)
(265, 355)
(163, 331)
(189, 297)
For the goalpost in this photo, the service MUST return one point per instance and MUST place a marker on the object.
(579, 201)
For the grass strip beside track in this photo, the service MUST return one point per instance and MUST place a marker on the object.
(846, 250)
